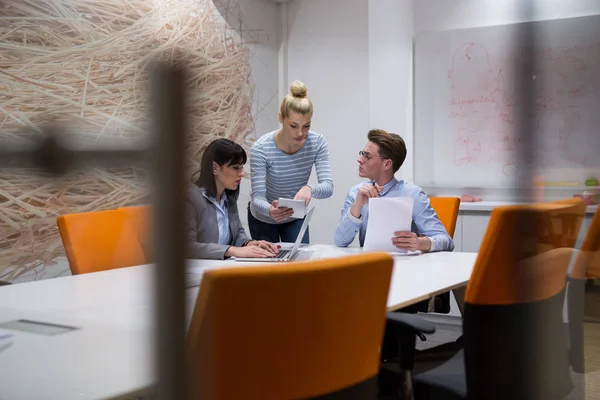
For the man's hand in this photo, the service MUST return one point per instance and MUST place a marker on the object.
(305, 193)
(411, 242)
(263, 244)
(365, 192)
(279, 213)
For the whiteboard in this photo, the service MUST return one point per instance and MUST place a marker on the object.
(466, 110)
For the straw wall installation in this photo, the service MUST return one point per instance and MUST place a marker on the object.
(83, 62)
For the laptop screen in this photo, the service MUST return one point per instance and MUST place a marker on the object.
(302, 230)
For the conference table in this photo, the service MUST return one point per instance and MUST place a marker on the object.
(107, 350)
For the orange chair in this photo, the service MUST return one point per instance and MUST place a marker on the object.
(586, 266)
(446, 209)
(99, 241)
(304, 331)
(514, 341)
(141, 218)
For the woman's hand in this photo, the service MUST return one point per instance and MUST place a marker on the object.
(305, 193)
(279, 213)
(263, 244)
(248, 252)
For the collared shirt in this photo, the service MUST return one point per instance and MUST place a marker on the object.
(425, 220)
(222, 210)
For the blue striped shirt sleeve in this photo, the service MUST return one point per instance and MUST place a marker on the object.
(349, 226)
(258, 172)
(324, 188)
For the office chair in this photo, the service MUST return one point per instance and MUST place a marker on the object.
(586, 266)
(141, 219)
(514, 344)
(446, 209)
(99, 241)
(280, 332)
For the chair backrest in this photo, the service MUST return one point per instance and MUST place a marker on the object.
(585, 266)
(289, 331)
(514, 234)
(514, 338)
(446, 209)
(99, 240)
(141, 218)
(587, 263)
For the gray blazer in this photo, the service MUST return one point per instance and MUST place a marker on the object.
(202, 229)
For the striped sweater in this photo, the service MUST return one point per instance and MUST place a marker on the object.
(275, 174)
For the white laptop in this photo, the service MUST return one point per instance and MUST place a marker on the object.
(285, 254)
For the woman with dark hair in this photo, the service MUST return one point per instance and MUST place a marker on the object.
(213, 226)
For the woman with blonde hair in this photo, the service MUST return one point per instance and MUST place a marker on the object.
(280, 165)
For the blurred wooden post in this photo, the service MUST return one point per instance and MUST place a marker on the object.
(169, 131)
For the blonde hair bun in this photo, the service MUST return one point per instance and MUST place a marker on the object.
(298, 89)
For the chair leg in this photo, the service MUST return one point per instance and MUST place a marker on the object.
(575, 307)
(407, 342)
(459, 296)
(407, 386)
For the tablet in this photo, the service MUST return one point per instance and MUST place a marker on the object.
(299, 206)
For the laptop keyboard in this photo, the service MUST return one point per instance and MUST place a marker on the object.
(282, 254)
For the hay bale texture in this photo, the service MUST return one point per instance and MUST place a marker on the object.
(83, 63)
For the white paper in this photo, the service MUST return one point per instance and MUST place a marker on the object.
(386, 216)
(399, 252)
(299, 206)
(5, 340)
(5, 334)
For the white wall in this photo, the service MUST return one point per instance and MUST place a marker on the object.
(328, 49)
(257, 21)
(355, 57)
(390, 72)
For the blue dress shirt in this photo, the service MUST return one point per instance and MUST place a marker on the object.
(425, 220)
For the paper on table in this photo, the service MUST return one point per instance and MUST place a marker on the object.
(399, 252)
(5, 334)
(5, 340)
(386, 216)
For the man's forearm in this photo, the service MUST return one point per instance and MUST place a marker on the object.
(424, 244)
(356, 209)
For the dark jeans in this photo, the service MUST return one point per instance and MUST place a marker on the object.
(287, 232)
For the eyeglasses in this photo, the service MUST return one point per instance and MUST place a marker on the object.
(368, 156)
